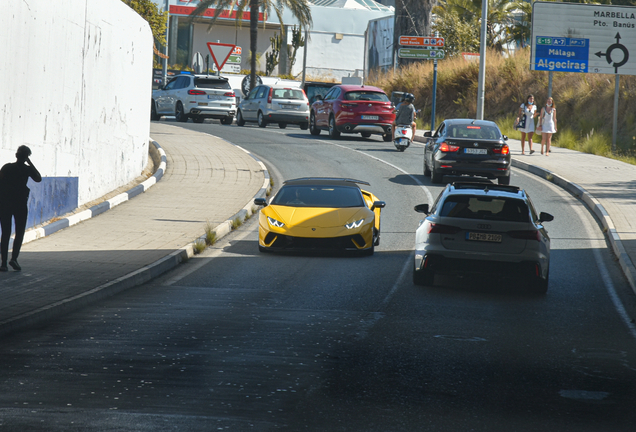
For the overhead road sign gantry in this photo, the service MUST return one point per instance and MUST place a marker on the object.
(585, 38)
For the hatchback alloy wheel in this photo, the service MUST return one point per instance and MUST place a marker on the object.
(312, 125)
(240, 121)
(261, 120)
(333, 132)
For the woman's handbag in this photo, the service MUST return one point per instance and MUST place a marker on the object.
(538, 130)
(522, 123)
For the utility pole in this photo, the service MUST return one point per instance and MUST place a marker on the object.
(165, 59)
(482, 61)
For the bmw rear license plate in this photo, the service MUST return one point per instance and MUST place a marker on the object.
(485, 237)
(214, 97)
(369, 117)
(475, 151)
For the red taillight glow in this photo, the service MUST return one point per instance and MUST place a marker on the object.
(525, 235)
(433, 228)
(445, 148)
(196, 92)
(269, 96)
(403, 131)
(503, 150)
(230, 94)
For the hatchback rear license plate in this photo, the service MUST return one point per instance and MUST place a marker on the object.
(289, 106)
(369, 117)
(485, 237)
(475, 151)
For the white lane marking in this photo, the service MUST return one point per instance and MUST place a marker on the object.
(398, 281)
(596, 246)
(427, 192)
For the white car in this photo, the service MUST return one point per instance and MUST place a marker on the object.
(486, 229)
(274, 104)
(197, 97)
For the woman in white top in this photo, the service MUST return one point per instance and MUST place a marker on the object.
(530, 111)
(548, 124)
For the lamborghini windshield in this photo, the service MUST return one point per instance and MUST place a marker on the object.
(319, 196)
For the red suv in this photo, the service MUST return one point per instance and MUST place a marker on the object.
(353, 109)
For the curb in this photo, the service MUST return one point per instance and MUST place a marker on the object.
(596, 208)
(137, 277)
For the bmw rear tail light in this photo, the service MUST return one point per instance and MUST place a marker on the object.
(196, 92)
(436, 228)
(229, 94)
(446, 148)
(525, 235)
(269, 96)
(503, 150)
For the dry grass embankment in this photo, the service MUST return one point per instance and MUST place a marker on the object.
(584, 102)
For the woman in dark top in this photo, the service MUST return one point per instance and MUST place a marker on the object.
(14, 196)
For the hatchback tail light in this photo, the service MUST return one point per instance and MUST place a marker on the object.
(196, 92)
(445, 148)
(269, 96)
(525, 235)
(435, 228)
(230, 94)
(503, 150)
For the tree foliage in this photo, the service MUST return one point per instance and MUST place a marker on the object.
(156, 18)
(299, 8)
(459, 36)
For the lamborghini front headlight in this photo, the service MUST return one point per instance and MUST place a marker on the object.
(273, 222)
(355, 224)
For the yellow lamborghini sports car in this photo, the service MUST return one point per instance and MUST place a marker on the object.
(320, 214)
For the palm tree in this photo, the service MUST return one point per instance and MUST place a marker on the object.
(498, 21)
(299, 8)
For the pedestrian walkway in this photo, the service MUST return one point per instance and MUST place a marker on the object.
(606, 186)
(207, 181)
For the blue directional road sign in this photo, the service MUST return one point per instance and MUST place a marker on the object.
(560, 54)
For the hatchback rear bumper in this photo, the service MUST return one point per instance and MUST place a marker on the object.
(293, 118)
(378, 128)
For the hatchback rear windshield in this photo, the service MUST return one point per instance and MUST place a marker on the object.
(288, 94)
(489, 208)
(366, 96)
(473, 131)
(211, 83)
(319, 196)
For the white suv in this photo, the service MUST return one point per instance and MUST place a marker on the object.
(482, 228)
(197, 97)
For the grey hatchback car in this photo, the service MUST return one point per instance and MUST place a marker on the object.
(274, 104)
(479, 228)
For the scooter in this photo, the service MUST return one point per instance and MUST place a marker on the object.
(402, 137)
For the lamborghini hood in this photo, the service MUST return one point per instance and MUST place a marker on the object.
(317, 217)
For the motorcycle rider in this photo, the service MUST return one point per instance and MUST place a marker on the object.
(406, 112)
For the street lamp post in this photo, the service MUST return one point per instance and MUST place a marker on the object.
(482, 61)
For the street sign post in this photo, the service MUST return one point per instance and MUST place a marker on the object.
(220, 53)
(420, 53)
(588, 38)
(585, 38)
(422, 41)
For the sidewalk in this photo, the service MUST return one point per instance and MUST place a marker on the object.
(606, 186)
(206, 180)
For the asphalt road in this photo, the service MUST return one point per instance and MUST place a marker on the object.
(237, 340)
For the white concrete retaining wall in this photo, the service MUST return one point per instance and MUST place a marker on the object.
(76, 88)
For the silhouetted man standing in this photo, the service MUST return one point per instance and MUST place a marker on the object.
(14, 195)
